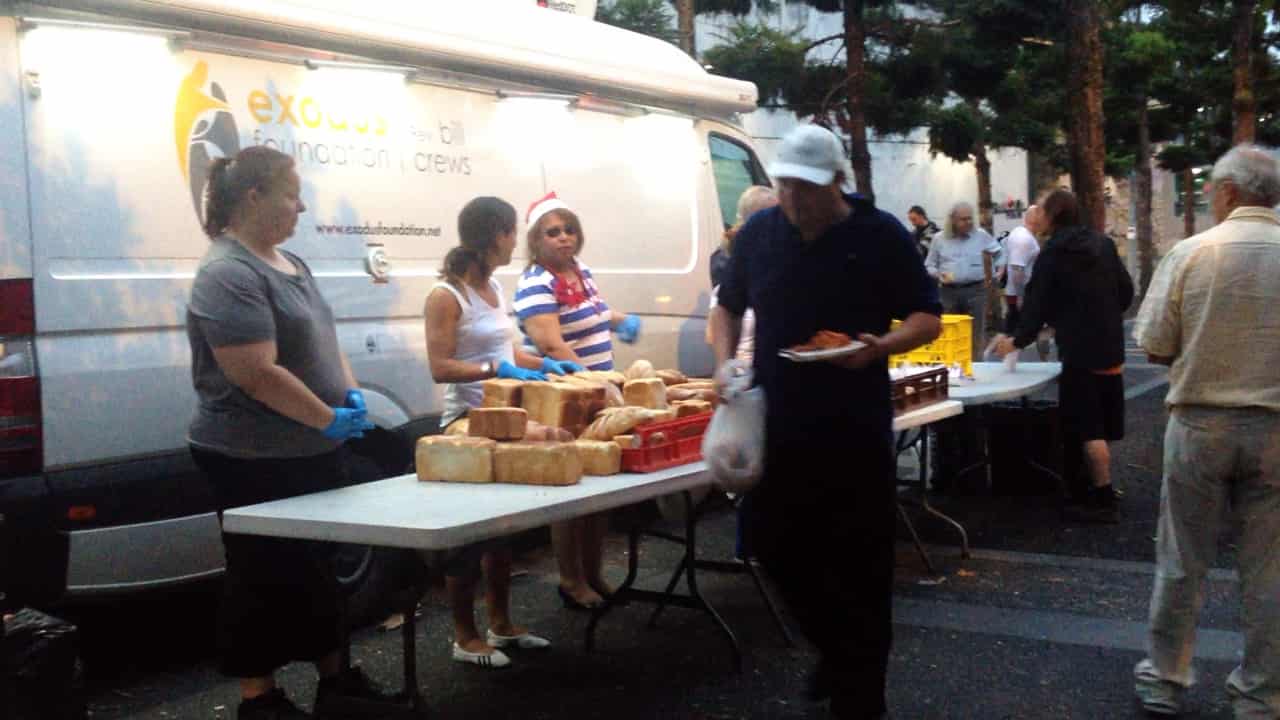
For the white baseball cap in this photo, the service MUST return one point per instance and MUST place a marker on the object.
(811, 153)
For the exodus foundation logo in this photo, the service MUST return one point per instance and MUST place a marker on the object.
(203, 130)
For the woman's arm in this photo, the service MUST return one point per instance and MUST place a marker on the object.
(615, 318)
(346, 370)
(253, 369)
(544, 330)
(442, 315)
(526, 360)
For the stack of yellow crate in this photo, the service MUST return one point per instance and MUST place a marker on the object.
(953, 347)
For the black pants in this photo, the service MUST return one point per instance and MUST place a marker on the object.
(822, 524)
(280, 599)
(1092, 408)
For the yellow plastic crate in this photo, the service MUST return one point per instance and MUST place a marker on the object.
(953, 347)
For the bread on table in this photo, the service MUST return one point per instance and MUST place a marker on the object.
(626, 442)
(681, 393)
(498, 423)
(501, 392)
(639, 370)
(561, 405)
(613, 377)
(537, 432)
(458, 427)
(544, 463)
(647, 392)
(687, 408)
(448, 458)
(620, 421)
(599, 457)
(672, 377)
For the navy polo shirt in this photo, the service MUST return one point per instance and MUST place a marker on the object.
(861, 273)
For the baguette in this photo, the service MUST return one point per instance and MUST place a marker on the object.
(621, 421)
(672, 377)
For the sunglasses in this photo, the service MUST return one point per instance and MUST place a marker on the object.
(554, 232)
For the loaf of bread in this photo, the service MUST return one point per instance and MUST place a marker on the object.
(562, 405)
(626, 442)
(648, 392)
(613, 377)
(501, 392)
(620, 421)
(448, 458)
(537, 432)
(639, 370)
(599, 457)
(682, 393)
(498, 423)
(672, 377)
(525, 463)
(685, 408)
(458, 427)
(612, 395)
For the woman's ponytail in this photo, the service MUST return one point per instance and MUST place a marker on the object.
(217, 201)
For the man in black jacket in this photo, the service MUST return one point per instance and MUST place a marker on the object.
(1081, 289)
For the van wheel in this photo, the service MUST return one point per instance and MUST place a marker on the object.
(371, 576)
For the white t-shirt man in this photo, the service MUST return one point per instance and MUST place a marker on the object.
(1023, 250)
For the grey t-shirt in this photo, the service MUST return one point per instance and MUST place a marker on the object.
(238, 299)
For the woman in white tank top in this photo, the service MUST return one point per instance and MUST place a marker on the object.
(471, 339)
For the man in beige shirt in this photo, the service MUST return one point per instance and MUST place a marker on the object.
(1211, 315)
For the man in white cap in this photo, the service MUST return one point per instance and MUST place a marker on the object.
(825, 260)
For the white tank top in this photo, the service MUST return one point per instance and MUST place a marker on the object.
(484, 333)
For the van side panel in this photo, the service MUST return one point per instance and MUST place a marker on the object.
(15, 230)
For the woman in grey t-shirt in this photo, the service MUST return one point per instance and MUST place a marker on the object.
(277, 400)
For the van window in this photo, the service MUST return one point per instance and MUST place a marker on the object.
(736, 169)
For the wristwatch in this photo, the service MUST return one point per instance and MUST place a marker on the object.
(486, 367)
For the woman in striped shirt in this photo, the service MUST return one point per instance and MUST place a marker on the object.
(561, 311)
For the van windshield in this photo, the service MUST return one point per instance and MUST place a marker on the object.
(736, 169)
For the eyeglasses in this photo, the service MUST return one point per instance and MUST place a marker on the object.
(554, 232)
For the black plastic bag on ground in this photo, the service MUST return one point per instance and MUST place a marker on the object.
(40, 662)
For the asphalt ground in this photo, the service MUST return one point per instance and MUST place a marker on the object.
(1045, 620)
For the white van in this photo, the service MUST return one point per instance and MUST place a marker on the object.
(397, 114)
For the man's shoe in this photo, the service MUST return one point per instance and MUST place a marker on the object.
(1097, 505)
(351, 694)
(1157, 695)
(272, 705)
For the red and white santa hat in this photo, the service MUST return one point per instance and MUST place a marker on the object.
(542, 206)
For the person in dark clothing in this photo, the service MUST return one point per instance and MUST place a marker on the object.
(922, 228)
(823, 260)
(1081, 289)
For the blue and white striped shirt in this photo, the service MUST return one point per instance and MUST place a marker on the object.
(584, 327)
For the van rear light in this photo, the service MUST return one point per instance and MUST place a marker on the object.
(21, 445)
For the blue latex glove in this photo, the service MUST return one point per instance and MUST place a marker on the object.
(629, 329)
(347, 423)
(355, 400)
(551, 366)
(511, 372)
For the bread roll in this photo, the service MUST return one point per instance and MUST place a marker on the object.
(626, 442)
(613, 377)
(648, 392)
(447, 458)
(537, 432)
(682, 393)
(547, 463)
(498, 423)
(685, 408)
(599, 457)
(672, 377)
(501, 392)
(621, 421)
(639, 370)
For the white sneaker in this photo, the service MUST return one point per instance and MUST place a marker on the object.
(1157, 695)
(525, 641)
(495, 659)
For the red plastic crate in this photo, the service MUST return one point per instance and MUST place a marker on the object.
(682, 444)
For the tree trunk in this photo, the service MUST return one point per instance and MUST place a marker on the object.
(1243, 106)
(1142, 224)
(1188, 203)
(1088, 153)
(684, 26)
(855, 84)
(982, 164)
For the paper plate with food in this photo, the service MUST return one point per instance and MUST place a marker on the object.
(824, 345)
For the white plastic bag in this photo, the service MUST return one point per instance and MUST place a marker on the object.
(733, 445)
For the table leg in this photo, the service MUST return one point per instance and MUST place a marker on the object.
(925, 506)
(409, 641)
(688, 567)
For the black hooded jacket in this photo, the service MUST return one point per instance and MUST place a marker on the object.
(1080, 288)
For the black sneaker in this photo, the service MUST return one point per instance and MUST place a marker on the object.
(352, 694)
(1098, 505)
(272, 705)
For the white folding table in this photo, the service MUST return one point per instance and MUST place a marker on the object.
(404, 512)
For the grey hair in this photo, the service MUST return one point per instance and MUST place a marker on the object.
(1253, 170)
(951, 214)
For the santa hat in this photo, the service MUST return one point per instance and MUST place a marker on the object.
(542, 206)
